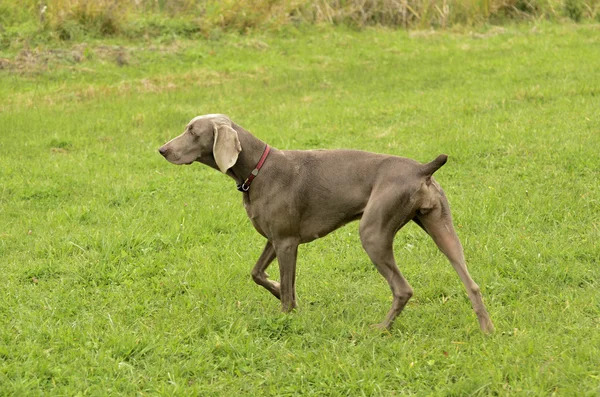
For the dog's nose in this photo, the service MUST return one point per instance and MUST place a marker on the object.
(162, 151)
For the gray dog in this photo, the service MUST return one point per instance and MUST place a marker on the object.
(296, 196)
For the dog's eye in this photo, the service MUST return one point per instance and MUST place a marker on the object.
(191, 131)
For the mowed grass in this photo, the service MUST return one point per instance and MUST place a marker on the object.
(123, 274)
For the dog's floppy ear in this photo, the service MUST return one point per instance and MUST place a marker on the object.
(226, 147)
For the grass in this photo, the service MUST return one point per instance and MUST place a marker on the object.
(27, 23)
(126, 275)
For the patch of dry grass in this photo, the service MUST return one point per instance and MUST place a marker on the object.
(71, 19)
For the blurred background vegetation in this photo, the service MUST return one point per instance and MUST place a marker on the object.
(30, 21)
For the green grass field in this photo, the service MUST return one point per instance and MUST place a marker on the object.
(123, 274)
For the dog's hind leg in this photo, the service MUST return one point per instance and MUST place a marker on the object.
(377, 232)
(437, 222)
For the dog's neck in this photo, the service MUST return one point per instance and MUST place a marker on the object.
(252, 150)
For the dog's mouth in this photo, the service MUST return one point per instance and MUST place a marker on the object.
(182, 161)
(178, 160)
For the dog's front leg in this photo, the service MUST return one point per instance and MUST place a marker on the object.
(259, 275)
(287, 252)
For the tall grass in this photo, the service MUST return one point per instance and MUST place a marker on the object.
(70, 19)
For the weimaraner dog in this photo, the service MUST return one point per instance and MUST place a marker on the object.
(296, 196)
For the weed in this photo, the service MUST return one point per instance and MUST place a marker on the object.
(70, 20)
(574, 9)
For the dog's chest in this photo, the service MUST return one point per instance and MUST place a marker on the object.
(253, 213)
(248, 207)
(272, 217)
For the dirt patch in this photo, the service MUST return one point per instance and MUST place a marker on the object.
(163, 83)
(40, 60)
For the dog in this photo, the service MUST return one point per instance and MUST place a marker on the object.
(293, 197)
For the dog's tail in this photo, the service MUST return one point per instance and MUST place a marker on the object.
(429, 168)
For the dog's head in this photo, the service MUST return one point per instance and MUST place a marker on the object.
(209, 139)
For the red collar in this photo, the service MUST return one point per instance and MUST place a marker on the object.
(244, 187)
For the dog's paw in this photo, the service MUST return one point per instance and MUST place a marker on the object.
(487, 327)
(381, 328)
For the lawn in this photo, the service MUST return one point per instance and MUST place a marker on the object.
(126, 275)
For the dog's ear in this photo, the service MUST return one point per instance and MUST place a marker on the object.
(226, 147)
